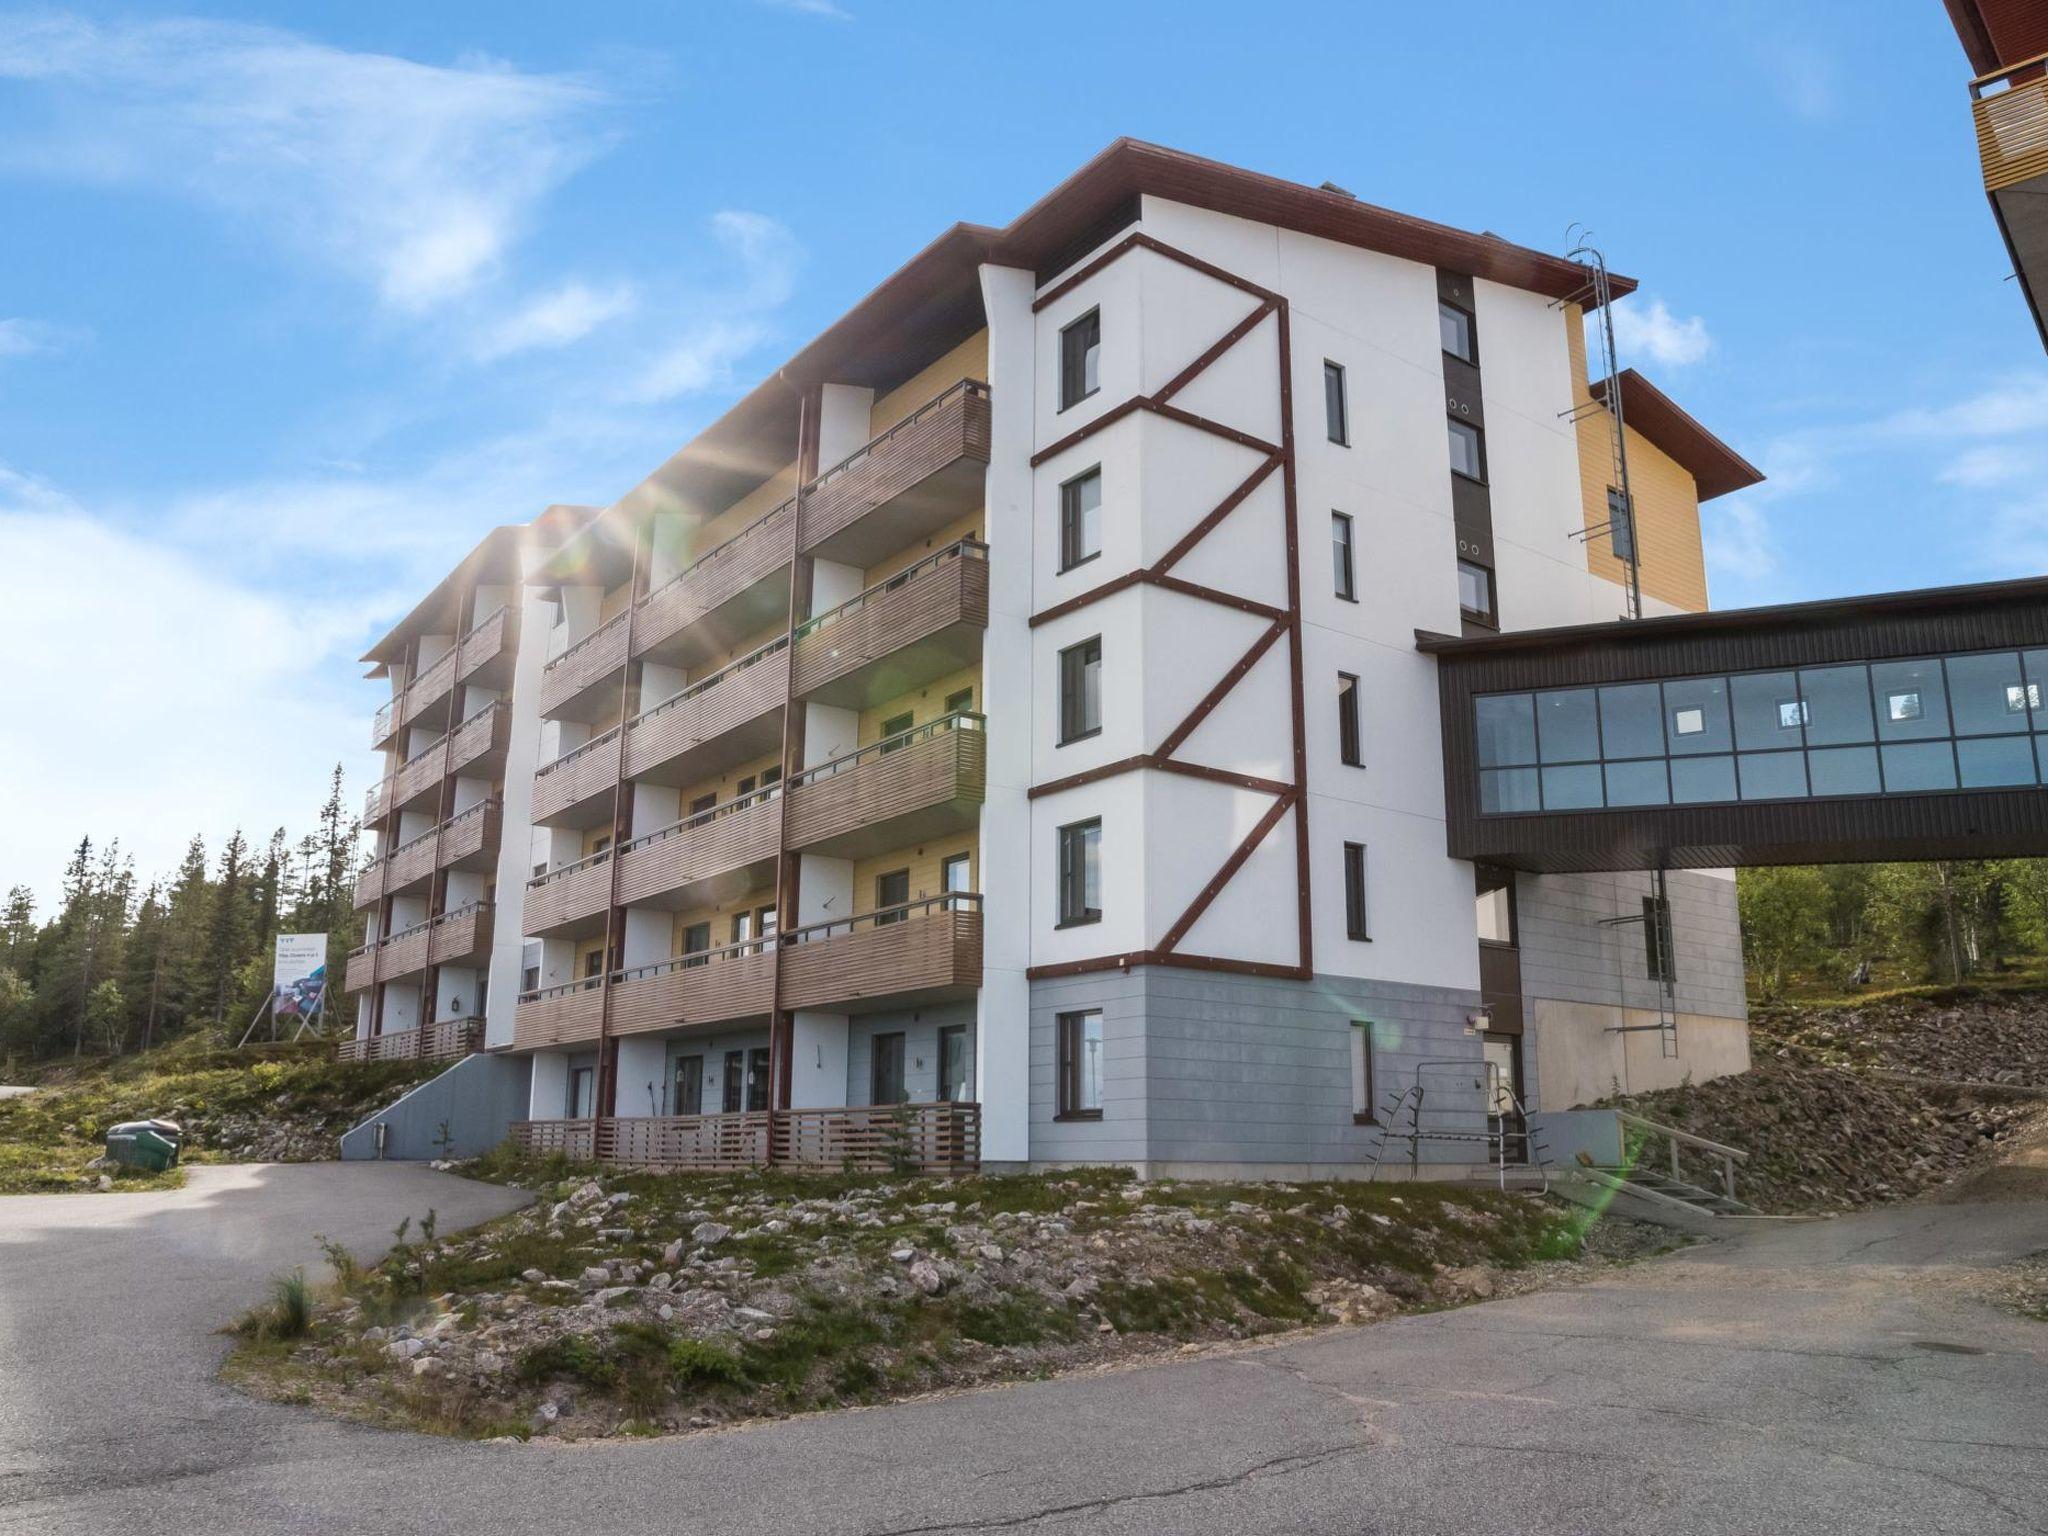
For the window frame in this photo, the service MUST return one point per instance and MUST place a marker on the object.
(884, 908)
(1357, 915)
(1489, 615)
(1451, 427)
(1070, 519)
(1073, 694)
(948, 1034)
(1337, 423)
(960, 701)
(901, 1045)
(1075, 371)
(1471, 332)
(947, 865)
(1068, 1030)
(1346, 587)
(1072, 873)
(1364, 1083)
(1350, 733)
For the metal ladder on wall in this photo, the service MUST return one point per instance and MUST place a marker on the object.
(1412, 1107)
(1597, 294)
(1666, 1027)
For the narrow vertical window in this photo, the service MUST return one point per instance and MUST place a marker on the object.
(1621, 525)
(1343, 569)
(1454, 329)
(1081, 690)
(1081, 519)
(1354, 891)
(956, 875)
(885, 1077)
(956, 1064)
(1081, 873)
(1363, 1092)
(1475, 591)
(892, 893)
(1081, 359)
(735, 1078)
(1468, 450)
(1347, 721)
(1336, 417)
(1080, 1049)
(1657, 956)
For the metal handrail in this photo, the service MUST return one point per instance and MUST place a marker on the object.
(709, 814)
(705, 684)
(413, 842)
(471, 633)
(959, 719)
(1687, 1137)
(694, 958)
(963, 386)
(2004, 73)
(588, 861)
(563, 988)
(948, 901)
(478, 809)
(596, 634)
(575, 752)
(959, 549)
(405, 933)
(467, 909)
(718, 551)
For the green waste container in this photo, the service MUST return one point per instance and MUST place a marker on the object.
(149, 1144)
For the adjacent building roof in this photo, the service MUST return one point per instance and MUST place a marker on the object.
(1716, 469)
(1997, 34)
(497, 558)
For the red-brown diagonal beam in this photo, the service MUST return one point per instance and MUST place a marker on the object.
(1223, 344)
(1221, 691)
(1231, 866)
(1220, 511)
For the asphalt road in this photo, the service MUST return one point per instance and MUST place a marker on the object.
(1816, 1378)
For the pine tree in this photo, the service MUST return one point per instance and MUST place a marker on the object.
(17, 930)
(228, 927)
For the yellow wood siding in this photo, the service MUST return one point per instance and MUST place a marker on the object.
(746, 647)
(1673, 564)
(927, 703)
(968, 527)
(614, 602)
(969, 360)
(719, 917)
(763, 498)
(726, 785)
(924, 861)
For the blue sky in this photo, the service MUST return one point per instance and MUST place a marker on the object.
(296, 301)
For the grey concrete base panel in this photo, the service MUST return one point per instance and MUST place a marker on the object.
(1572, 950)
(477, 1099)
(1242, 1075)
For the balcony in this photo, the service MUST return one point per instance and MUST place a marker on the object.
(920, 624)
(409, 866)
(470, 840)
(404, 954)
(572, 902)
(418, 780)
(369, 889)
(489, 651)
(921, 474)
(921, 952)
(573, 1139)
(923, 783)
(361, 972)
(556, 1016)
(713, 986)
(2011, 112)
(736, 589)
(477, 747)
(462, 937)
(579, 788)
(467, 841)
(375, 801)
(710, 857)
(583, 683)
(445, 1041)
(942, 1138)
(427, 697)
(726, 718)
(384, 724)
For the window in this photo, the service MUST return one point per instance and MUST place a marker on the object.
(593, 964)
(582, 1102)
(529, 979)
(1475, 591)
(688, 1098)
(1621, 525)
(1347, 720)
(894, 726)
(735, 1080)
(1081, 519)
(1081, 359)
(956, 874)
(1081, 1065)
(757, 1078)
(1080, 873)
(1657, 947)
(1363, 1096)
(956, 1065)
(885, 1069)
(1454, 329)
(764, 922)
(891, 890)
(742, 927)
(1792, 714)
(960, 702)
(1342, 568)
(1496, 905)
(1468, 451)
(1081, 690)
(703, 803)
(771, 776)
(1354, 891)
(696, 940)
(1334, 416)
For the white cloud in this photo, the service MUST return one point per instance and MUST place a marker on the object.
(1804, 76)
(415, 177)
(706, 349)
(1649, 329)
(1739, 540)
(1990, 464)
(555, 319)
(32, 338)
(823, 8)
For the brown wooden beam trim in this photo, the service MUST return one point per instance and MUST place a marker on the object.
(1067, 285)
(1231, 866)
(1220, 511)
(1091, 776)
(1304, 913)
(1142, 241)
(1157, 407)
(1093, 595)
(1162, 764)
(1152, 578)
(1221, 691)
(1174, 959)
(1109, 417)
(1223, 344)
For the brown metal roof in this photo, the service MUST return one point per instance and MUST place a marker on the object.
(496, 558)
(1716, 469)
(1997, 34)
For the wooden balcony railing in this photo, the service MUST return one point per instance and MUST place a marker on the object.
(369, 887)
(417, 776)
(572, 901)
(566, 789)
(568, 682)
(951, 430)
(727, 699)
(462, 937)
(469, 839)
(553, 1016)
(432, 686)
(488, 650)
(440, 1041)
(405, 952)
(410, 862)
(714, 842)
(919, 783)
(942, 1138)
(2011, 112)
(921, 950)
(361, 971)
(476, 747)
(714, 579)
(384, 723)
(376, 800)
(939, 605)
(712, 986)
